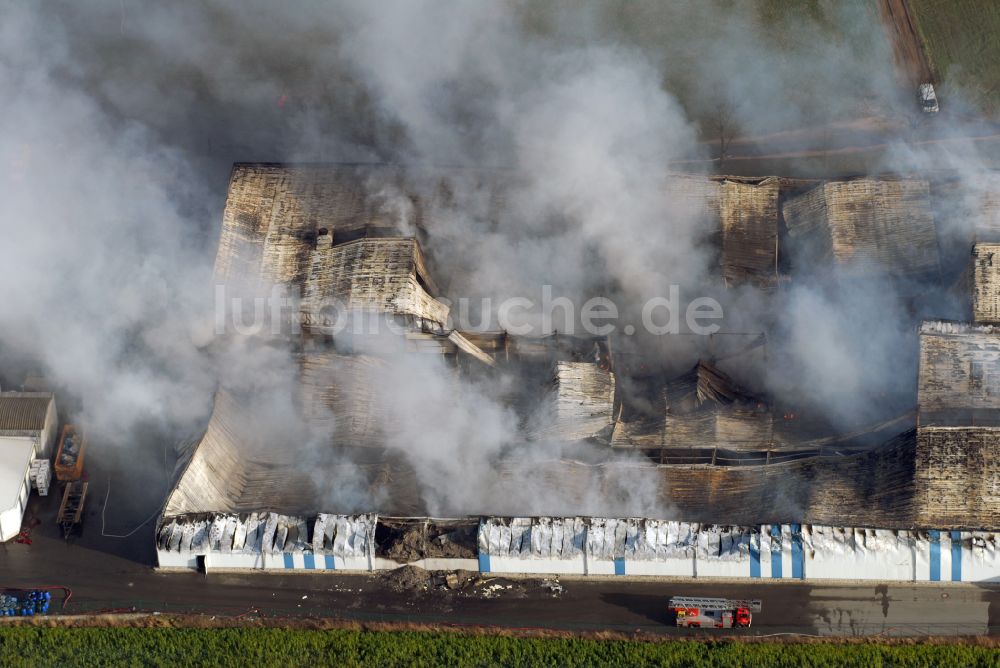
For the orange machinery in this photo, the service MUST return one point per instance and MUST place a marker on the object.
(69, 456)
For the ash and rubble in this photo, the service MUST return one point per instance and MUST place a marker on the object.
(416, 580)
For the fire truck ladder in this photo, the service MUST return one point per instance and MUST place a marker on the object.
(71, 508)
(753, 605)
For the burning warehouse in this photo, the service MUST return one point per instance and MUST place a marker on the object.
(578, 430)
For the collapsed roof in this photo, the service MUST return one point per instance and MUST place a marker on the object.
(579, 403)
(700, 409)
(273, 214)
(235, 468)
(230, 469)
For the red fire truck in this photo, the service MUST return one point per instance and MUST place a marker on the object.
(713, 613)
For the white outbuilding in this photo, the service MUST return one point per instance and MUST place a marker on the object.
(28, 425)
(15, 484)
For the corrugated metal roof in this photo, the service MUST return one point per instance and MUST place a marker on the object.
(23, 411)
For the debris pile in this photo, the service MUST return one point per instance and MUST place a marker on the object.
(407, 578)
(405, 541)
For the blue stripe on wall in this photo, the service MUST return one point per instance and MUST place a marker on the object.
(935, 537)
(620, 566)
(776, 556)
(484, 563)
(754, 559)
(798, 557)
(289, 562)
(329, 562)
(956, 556)
(309, 560)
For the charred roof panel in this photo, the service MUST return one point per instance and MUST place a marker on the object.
(742, 217)
(959, 371)
(385, 275)
(958, 476)
(869, 226)
(273, 212)
(879, 486)
(986, 283)
(340, 397)
(700, 409)
(749, 218)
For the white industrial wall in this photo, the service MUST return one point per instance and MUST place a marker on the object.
(573, 566)
(432, 564)
(50, 431)
(762, 552)
(172, 560)
(305, 561)
(681, 568)
(281, 561)
(872, 554)
(10, 523)
(800, 552)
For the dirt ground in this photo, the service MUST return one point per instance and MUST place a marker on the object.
(912, 65)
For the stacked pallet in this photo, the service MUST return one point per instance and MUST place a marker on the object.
(40, 474)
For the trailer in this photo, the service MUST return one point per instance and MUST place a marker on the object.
(713, 613)
(71, 509)
(69, 456)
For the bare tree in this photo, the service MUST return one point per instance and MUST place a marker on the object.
(724, 119)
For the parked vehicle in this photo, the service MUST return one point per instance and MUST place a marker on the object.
(715, 613)
(928, 98)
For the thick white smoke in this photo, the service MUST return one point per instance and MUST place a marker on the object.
(122, 119)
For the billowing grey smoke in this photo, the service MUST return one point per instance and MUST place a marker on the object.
(121, 121)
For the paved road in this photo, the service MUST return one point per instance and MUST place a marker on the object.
(109, 573)
(101, 580)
